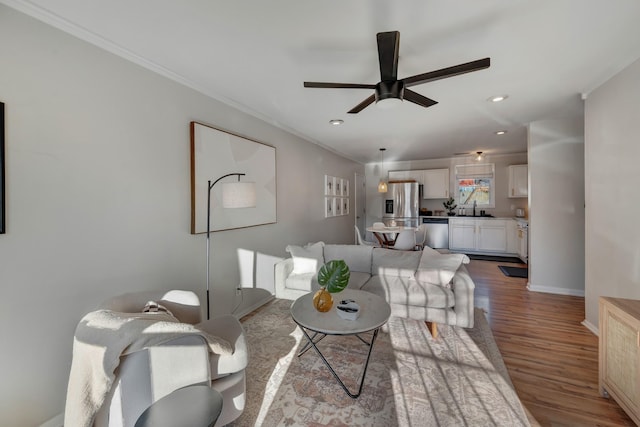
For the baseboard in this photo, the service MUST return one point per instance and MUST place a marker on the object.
(254, 306)
(555, 290)
(57, 421)
(591, 327)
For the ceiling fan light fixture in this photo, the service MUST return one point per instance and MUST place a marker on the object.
(388, 103)
(336, 122)
(389, 94)
(501, 132)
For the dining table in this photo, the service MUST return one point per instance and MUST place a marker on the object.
(387, 235)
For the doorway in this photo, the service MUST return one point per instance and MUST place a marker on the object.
(360, 202)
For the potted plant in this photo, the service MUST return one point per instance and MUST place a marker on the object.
(333, 277)
(450, 206)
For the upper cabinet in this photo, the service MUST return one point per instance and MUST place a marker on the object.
(518, 181)
(435, 184)
(416, 175)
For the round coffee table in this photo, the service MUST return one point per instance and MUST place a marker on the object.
(374, 312)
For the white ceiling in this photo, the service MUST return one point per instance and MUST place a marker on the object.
(255, 55)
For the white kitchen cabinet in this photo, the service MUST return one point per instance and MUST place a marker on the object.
(523, 243)
(513, 241)
(491, 235)
(518, 180)
(462, 234)
(435, 184)
(415, 175)
(478, 235)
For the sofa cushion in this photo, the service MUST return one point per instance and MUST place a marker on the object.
(390, 262)
(301, 282)
(357, 279)
(357, 257)
(437, 268)
(408, 291)
(307, 259)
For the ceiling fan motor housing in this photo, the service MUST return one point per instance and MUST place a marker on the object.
(390, 89)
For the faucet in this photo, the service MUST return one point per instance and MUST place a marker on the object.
(475, 203)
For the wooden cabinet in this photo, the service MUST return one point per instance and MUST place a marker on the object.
(619, 342)
(478, 235)
(518, 180)
(415, 175)
(435, 184)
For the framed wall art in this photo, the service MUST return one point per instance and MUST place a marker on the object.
(215, 153)
(336, 196)
(328, 207)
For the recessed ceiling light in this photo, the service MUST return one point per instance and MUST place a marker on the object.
(498, 98)
(336, 122)
(501, 132)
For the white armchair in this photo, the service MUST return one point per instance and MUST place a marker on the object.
(146, 376)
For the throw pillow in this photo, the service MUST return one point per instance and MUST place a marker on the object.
(439, 269)
(154, 307)
(307, 259)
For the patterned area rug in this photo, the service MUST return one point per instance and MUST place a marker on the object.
(413, 380)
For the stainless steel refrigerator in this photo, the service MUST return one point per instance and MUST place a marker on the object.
(402, 204)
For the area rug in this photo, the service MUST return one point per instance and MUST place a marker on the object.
(459, 379)
(522, 272)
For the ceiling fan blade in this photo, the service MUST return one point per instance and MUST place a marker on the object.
(339, 85)
(362, 105)
(388, 49)
(416, 98)
(456, 70)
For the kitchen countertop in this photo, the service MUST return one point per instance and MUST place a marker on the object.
(475, 217)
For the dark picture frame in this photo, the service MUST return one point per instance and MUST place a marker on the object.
(2, 187)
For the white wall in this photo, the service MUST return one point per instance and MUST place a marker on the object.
(556, 200)
(98, 201)
(612, 165)
(505, 207)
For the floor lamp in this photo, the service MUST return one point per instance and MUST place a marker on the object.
(234, 195)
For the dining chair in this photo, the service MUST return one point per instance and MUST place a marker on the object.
(421, 236)
(361, 241)
(406, 241)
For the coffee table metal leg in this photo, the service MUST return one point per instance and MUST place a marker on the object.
(366, 364)
(308, 344)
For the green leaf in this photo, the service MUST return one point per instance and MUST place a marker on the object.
(334, 275)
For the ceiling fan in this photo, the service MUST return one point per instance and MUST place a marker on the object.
(390, 89)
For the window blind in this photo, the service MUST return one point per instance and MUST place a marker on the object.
(485, 170)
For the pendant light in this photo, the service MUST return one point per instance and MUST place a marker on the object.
(382, 185)
(479, 156)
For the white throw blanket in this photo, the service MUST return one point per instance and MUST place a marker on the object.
(101, 338)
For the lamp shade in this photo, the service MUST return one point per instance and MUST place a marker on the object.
(238, 195)
(382, 187)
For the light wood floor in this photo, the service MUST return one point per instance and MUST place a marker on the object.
(552, 358)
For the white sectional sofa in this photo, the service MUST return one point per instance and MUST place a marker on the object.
(421, 285)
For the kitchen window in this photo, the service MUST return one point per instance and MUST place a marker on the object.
(475, 183)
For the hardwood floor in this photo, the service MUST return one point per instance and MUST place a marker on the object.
(552, 358)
